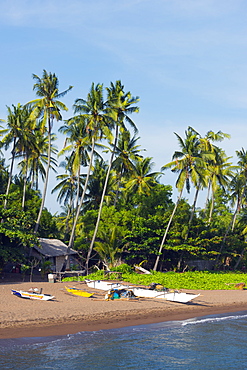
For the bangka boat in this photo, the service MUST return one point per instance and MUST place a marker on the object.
(167, 294)
(104, 285)
(32, 295)
(78, 292)
(174, 296)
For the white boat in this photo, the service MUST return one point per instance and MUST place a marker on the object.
(167, 294)
(174, 296)
(32, 295)
(104, 285)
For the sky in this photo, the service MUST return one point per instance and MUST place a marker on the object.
(185, 59)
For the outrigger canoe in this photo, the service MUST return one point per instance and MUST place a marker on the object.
(32, 295)
(78, 292)
(174, 296)
(104, 285)
(167, 294)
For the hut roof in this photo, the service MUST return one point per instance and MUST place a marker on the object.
(53, 248)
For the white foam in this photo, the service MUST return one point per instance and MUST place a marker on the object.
(212, 319)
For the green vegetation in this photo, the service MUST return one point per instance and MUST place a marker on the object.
(188, 280)
(115, 208)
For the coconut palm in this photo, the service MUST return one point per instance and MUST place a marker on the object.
(119, 106)
(142, 180)
(220, 173)
(188, 163)
(38, 158)
(78, 143)
(19, 127)
(48, 107)
(92, 112)
(127, 151)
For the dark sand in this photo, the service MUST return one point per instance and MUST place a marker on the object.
(69, 314)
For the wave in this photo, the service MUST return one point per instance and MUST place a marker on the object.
(214, 318)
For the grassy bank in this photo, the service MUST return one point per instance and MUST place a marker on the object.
(188, 280)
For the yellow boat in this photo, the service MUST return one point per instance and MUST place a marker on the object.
(79, 292)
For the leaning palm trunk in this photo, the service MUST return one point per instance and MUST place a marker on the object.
(192, 212)
(72, 235)
(167, 229)
(24, 186)
(46, 180)
(10, 174)
(211, 208)
(101, 202)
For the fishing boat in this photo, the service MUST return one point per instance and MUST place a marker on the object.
(104, 285)
(32, 295)
(169, 295)
(78, 292)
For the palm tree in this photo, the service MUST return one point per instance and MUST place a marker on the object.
(220, 172)
(141, 180)
(119, 106)
(78, 143)
(188, 163)
(38, 158)
(110, 246)
(48, 107)
(127, 151)
(92, 112)
(96, 184)
(20, 127)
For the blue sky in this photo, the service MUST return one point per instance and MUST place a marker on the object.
(185, 59)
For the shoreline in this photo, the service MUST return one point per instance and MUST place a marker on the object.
(69, 314)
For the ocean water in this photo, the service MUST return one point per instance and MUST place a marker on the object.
(210, 342)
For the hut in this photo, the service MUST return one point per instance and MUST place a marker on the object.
(54, 250)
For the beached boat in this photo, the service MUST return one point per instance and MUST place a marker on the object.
(78, 292)
(168, 295)
(32, 295)
(104, 285)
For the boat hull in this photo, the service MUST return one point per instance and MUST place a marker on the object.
(31, 295)
(175, 296)
(104, 285)
(78, 292)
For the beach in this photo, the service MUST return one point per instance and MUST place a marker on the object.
(70, 314)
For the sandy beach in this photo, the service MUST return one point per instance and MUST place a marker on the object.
(69, 314)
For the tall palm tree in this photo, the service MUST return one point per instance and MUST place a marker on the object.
(92, 112)
(19, 127)
(188, 163)
(119, 106)
(48, 107)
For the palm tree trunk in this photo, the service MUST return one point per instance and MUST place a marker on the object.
(72, 235)
(211, 208)
(101, 202)
(10, 174)
(24, 186)
(167, 229)
(192, 213)
(46, 178)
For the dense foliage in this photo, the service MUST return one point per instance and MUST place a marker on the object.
(115, 208)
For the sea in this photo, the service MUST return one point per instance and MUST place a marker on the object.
(205, 343)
